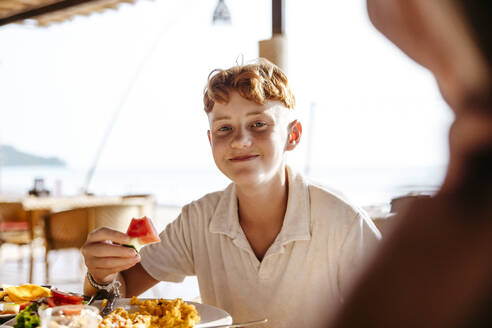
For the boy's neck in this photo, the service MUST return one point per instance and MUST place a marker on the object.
(264, 202)
(261, 211)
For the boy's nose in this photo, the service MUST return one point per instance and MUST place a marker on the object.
(241, 140)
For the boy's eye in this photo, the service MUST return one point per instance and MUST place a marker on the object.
(258, 124)
(223, 129)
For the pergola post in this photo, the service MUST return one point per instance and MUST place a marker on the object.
(275, 49)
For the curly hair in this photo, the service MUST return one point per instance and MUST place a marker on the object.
(259, 82)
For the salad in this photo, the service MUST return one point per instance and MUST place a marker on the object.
(28, 317)
(15, 298)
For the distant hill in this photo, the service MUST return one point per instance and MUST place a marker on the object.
(9, 156)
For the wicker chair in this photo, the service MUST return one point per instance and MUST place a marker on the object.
(15, 228)
(147, 203)
(69, 229)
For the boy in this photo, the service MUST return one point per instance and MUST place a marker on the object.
(271, 245)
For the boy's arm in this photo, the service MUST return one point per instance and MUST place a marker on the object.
(172, 258)
(137, 280)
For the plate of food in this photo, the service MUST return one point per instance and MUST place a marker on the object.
(24, 301)
(128, 312)
(167, 313)
(14, 299)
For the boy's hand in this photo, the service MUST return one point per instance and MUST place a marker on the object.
(105, 257)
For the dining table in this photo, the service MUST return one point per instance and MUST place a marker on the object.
(37, 208)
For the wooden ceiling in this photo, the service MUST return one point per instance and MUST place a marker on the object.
(45, 12)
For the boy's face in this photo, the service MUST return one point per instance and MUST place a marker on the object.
(249, 140)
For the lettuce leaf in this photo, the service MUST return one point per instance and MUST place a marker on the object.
(28, 318)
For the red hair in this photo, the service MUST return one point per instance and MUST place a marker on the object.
(258, 82)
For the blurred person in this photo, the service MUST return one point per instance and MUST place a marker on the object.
(435, 267)
(272, 244)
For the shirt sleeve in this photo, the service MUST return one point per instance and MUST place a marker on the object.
(357, 248)
(171, 259)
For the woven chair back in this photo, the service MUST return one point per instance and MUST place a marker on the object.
(116, 217)
(12, 211)
(69, 229)
(14, 225)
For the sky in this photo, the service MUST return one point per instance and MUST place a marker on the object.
(362, 102)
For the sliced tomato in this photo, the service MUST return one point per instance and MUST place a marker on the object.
(50, 301)
(22, 306)
(144, 230)
(62, 298)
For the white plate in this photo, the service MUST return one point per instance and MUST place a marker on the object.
(7, 316)
(209, 315)
(3, 316)
(9, 323)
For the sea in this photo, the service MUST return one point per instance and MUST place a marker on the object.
(177, 187)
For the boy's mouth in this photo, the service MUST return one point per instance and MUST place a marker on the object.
(243, 158)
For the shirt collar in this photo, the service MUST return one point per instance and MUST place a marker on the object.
(297, 220)
(225, 219)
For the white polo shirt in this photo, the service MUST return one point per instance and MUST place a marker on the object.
(302, 276)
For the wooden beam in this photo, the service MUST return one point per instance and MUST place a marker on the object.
(278, 16)
(64, 4)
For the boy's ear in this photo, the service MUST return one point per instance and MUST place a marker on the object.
(295, 132)
(209, 137)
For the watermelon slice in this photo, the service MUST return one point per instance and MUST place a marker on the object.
(142, 232)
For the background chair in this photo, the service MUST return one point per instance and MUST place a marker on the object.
(147, 203)
(15, 228)
(69, 229)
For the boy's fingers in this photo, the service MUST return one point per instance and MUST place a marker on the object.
(113, 264)
(104, 234)
(105, 250)
(108, 272)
